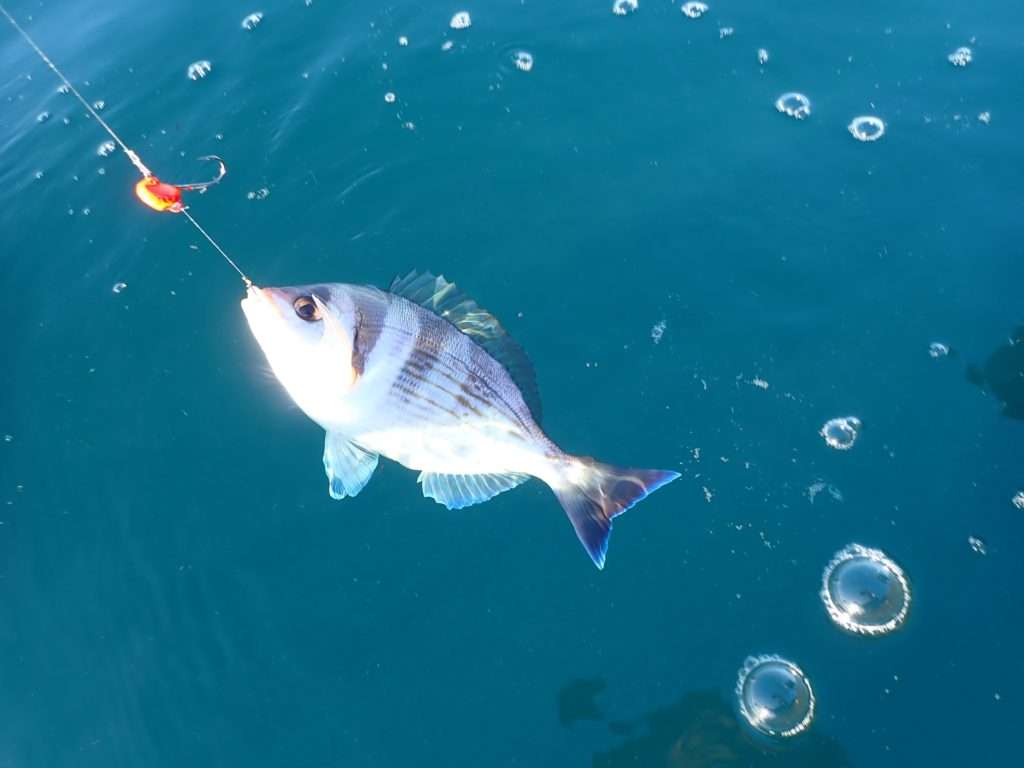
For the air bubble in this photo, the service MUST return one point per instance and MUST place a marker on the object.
(389, 97)
(775, 696)
(197, 70)
(625, 7)
(118, 287)
(42, 117)
(937, 349)
(250, 22)
(961, 57)
(841, 433)
(461, 20)
(523, 60)
(694, 10)
(106, 148)
(762, 56)
(864, 591)
(794, 104)
(866, 128)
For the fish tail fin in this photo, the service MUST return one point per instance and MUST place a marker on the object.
(592, 494)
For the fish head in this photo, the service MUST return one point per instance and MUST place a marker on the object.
(306, 333)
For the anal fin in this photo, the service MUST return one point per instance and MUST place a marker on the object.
(348, 466)
(458, 491)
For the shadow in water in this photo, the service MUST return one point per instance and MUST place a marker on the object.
(701, 730)
(578, 701)
(1003, 375)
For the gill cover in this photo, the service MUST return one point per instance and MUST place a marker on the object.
(337, 344)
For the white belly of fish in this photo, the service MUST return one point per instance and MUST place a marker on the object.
(458, 450)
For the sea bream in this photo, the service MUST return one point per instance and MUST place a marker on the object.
(421, 375)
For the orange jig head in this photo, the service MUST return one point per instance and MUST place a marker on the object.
(159, 195)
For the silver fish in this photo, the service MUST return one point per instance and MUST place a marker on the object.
(423, 376)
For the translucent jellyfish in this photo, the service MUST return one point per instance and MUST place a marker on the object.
(250, 22)
(985, 117)
(657, 331)
(864, 591)
(867, 128)
(38, 175)
(794, 104)
(815, 488)
(447, 45)
(389, 97)
(724, 32)
(625, 7)
(403, 40)
(841, 433)
(197, 70)
(1018, 500)
(42, 117)
(775, 696)
(461, 20)
(523, 60)
(118, 287)
(260, 194)
(106, 148)
(694, 10)
(99, 105)
(63, 89)
(762, 56)
(937, 349)
(961, 57)
(978, 545)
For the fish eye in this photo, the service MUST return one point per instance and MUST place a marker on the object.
(306, 308)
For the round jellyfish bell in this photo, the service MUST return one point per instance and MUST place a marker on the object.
(794, 104)
(866, 128)
(775, 696)
(841, 433)
(864, 591)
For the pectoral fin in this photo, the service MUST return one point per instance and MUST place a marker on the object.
(347, 465)
(458, 491)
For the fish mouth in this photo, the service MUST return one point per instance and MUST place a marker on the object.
(262, 300)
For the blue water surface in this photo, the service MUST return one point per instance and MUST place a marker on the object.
(176, 586)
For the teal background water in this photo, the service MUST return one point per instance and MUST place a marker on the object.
(176, 587)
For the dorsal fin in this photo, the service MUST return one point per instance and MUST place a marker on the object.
(445, 300)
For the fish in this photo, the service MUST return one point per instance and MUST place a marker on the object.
(421, 375)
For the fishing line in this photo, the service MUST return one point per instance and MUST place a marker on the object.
(158, 195)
